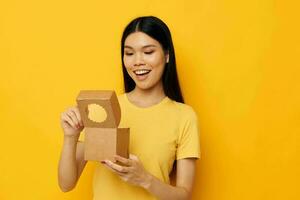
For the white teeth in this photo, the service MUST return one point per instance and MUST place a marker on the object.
(142, 71)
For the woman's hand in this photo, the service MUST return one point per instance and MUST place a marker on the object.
(132, 172)
(71, 122)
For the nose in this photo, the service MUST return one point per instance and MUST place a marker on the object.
(139, 60)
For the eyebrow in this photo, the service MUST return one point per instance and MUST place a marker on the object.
(150, 45)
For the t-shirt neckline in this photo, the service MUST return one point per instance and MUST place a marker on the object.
(163, 101)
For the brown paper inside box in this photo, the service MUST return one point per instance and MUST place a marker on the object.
(103, 138)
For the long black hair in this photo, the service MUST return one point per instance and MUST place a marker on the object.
(158, 30)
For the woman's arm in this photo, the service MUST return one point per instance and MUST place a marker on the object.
(185, 172)
(71, 163)
(135, 173)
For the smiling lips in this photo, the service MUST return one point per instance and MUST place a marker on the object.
(141, 74)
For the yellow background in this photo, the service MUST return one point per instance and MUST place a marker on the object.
(238, 64)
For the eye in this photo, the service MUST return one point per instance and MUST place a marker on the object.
(128, 54)
(149, 52)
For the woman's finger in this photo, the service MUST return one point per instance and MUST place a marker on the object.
(72, 115)
(133, 157)
(77, 113)
(67, 119)
(125, 161)
(113, 170)
(118, 168)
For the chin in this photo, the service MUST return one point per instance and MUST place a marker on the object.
(144, 86)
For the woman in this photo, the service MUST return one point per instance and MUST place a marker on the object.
(163, 130)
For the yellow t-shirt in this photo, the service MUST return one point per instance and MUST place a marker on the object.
(159, 135)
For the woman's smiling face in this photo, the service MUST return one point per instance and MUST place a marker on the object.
(144, 59)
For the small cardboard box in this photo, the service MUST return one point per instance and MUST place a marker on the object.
(104, 98)
(104, 143)
(103, 139)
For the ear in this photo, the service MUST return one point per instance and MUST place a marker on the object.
(167, 57)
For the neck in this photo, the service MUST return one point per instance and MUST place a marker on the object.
(147, 97)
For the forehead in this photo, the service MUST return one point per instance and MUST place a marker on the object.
(139, 40)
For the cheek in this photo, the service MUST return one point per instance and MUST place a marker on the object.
(156, 61)
(127, 62)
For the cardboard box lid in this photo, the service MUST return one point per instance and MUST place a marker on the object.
(106, 99)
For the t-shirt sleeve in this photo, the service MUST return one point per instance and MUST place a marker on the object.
(188, 145)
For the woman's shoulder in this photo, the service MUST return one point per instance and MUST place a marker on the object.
(184, 109)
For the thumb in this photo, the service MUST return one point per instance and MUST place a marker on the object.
(133, 157)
